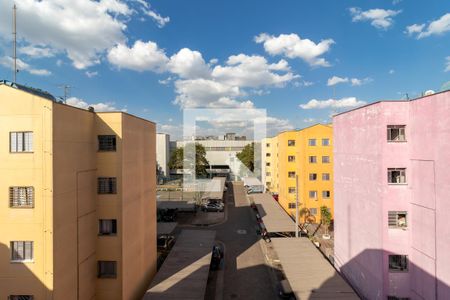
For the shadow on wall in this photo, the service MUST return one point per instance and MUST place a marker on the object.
(367, 274)
(17, 279)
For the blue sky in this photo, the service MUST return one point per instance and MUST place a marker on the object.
(280, 56)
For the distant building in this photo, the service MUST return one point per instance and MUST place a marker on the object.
(78, 212)
(163, 154)
(307, 153)
(392, 208)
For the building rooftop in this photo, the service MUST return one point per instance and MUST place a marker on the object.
(34, 91)
(275, 219)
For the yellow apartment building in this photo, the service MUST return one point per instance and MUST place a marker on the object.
(78, 205)
(307, 153)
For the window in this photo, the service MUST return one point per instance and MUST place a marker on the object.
(291, 174)
(21, 141)
(267, 164)
(267, 145)
(396, 175)
(21, 196)
(107, 227)
(20, 297)
(397, 219)
(291, 205)
(21, 251)
(398, 263)
(397, 298)
(396, 133)
(326, 194)
(267, 154)
(325, 176)
(311, 142)
(107, 185)
(291, 142)
(291, 158)
(291, 190)
(325, 142)
(313, 159)
(312, 176)
(106, 143)
(325, 159)
(313, 194)
(267, 173)
(107, 269)
(313, 211)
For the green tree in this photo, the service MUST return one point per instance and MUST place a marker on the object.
(246, 156)
(326, 217)
(177, 159)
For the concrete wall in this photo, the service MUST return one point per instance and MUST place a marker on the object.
(74, 203)
(25, 112)
(363, 198)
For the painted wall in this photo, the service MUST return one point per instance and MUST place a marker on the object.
(363, 197)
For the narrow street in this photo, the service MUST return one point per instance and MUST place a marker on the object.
(245, 274)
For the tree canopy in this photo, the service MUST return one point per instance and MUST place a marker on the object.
(177, 159)
(246, 156)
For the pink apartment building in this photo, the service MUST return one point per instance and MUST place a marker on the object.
(392, 198)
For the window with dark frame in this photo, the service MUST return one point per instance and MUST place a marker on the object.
(397, 219)
(107, 185)
(326, 194)
(311, 142)
(312, 176)
(106, 143)
(21, 142)
(313, 194)
(291, 205)
(20, 297)
(291, 143)
(325, 159)
(21, 251)
(291, 190)
(397, 175)
(398, 263)
(396, 133)
(325, 176)
(397, 298)
(325, 142)
(313, 159)
(291, 158)
(267, 154)
(107, 269)
(267, 164)
(21, 197)
(107, 227)
(291, 174)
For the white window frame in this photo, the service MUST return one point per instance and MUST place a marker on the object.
(401, 137)
(21, 197)
(401, 177)
(22, 247)
(326, 194)
(313, 194)
(396, 219)
(21, 142)
(106, 227)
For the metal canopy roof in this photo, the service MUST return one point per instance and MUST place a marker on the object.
(165, 227)
(185, 271)
(309, 274)
(273, 215)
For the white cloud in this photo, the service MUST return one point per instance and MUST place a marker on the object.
(37, 51)
(98, 107)
(161, 21)
(447, 64)
(395, 2)
(188, 64)
(83, 29)
(166, 81)
(336, 80)
(292, 46)
(7, 62)
(437, 27)
(353, 81)
(309, 120)
(252, 71)
(391, 71)
(332, 103)
(91, 74)
(379, 18)
(141, 57)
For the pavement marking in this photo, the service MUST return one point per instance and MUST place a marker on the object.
(242, 231)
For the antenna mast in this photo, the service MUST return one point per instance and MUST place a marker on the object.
(14, 44)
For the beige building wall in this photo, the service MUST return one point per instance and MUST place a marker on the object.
(63, 169)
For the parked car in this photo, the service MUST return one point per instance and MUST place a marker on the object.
(165, 242)
(215, 207)
(216, 257)
(285, 290)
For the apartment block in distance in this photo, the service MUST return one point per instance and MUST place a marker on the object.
(392, 208)
(78, 211)
(308, 154)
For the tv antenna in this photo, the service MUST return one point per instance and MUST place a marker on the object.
(66, 89)
(14, 45)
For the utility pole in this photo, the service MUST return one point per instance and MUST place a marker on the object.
(14, 45)
(296, 205)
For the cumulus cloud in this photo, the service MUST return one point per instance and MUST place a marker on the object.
(447, 64)
(142, 56)
(83, 30)
(378, 18)
(437, 27)
(7, 62)
(353, 81)
(293, 46)
(188, 64)
(332, 103)
(98, 107)
(91, 74)
(309, 120)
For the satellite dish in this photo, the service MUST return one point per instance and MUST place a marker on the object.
(428, 93)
